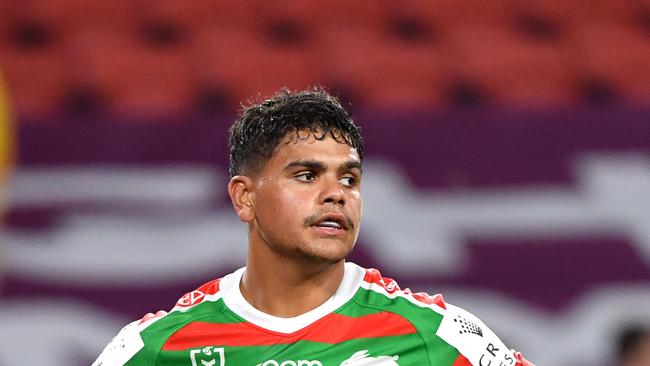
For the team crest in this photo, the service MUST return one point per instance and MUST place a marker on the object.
(208, 356)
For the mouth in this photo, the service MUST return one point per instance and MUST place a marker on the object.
(332, 221)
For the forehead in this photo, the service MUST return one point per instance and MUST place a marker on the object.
(308, 147)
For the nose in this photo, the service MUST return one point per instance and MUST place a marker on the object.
(332, 192)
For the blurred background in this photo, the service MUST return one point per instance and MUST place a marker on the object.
(507, 164)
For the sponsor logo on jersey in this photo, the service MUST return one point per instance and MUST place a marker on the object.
(363, 358)
(460, 329)
(495, 356)
(208, 356)
(290, 363)
(467, 326)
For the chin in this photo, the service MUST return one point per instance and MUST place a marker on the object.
(324, 255)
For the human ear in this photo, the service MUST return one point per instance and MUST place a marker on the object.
(240, 190)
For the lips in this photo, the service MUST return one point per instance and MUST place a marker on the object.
(332, 220)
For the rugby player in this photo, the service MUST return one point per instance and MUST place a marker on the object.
(295, 178)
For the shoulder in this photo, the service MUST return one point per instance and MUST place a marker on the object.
(131, 341)
(127, 343)
(388, 289)
(475, 342)
(209, 291)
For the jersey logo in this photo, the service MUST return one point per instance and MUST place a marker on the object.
(208, 356)
(194, 297)
(362, 358)
(191, 298)
(468, 326)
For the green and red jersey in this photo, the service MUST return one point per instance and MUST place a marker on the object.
(368, 321)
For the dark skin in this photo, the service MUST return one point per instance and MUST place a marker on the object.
(295, 261)
(640, 356)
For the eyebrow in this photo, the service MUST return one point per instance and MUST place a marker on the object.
(319, 166)
(352, 164)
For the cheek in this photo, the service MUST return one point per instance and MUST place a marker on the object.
(356, 204)
(289, 204)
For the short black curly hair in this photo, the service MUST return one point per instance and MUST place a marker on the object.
(260, 128)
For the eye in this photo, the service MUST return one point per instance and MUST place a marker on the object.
(306, 176)
(348, 181)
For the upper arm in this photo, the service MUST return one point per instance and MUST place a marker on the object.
(477, 344)
(128, 343)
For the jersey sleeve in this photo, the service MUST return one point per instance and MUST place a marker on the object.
(126, 344)
(129, 343)
(476, 343)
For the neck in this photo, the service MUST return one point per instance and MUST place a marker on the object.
(287, 287)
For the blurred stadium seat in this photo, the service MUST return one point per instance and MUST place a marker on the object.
(176, 14)
(577, 12)
(452, 13)
(67, 17)
(241, 64)
(616, 55)
(322, 15)
(378, 69)
(35, 79)
(127, 78)
(511, 69)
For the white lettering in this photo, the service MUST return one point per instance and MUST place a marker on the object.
(309, 363)
(481, 361)
(291, 363)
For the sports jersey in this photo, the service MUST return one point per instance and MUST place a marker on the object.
(368, 321)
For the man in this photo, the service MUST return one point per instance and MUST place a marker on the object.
(633, 346)
(295, 175)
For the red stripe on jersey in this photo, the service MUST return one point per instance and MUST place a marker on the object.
(462, 361)
(196, 296)
(390, 285)
(332, 329)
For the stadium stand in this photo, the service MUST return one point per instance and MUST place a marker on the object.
(153, 58)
